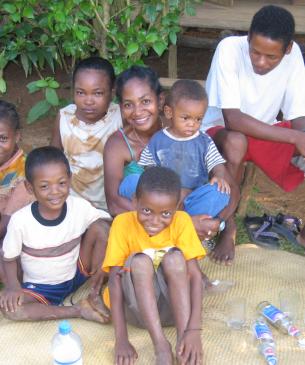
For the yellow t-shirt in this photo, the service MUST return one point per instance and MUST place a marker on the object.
(127, 236)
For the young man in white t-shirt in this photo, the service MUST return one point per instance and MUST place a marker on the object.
(252, 79)
(60, 242)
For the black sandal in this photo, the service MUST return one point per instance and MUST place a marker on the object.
(259, 231)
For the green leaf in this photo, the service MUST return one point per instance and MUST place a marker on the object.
(43, 38)
(190, 11)
(28, 12)
(16, 17)
(53, 84)
(132, 48)
(25, 63)
(42, 83)
(51, 96)
(32, 87)
(151, 38)
(10, 8)
(38, 110)
(159, 47)
(173, 37)
(2, 86)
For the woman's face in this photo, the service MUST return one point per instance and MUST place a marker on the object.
(139, 105)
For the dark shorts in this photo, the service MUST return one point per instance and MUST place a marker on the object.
(55, 294)
(132, 312)
(273, 158)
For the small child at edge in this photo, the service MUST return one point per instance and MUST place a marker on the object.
(60, 241)
(152, 256)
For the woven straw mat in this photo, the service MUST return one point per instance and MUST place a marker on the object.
(258, 275)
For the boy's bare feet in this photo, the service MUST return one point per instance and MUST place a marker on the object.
(164, 355)
(98, 305)
(301, 240)
(88, 313)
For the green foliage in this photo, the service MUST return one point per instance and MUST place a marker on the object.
(40, 33)
(48, 87)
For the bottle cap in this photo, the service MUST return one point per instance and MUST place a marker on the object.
(64, 327)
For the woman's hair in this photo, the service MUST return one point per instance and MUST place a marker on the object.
(160, 180)
(9, 115)
(275, 23)
(43, 156)
(141, 73)
(95, 63)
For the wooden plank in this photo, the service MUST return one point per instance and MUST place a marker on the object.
(167, 82)
(172, 61)
(237, 17)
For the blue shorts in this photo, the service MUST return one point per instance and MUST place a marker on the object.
(56, 294)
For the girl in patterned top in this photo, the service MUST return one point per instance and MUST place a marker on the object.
(82, 129)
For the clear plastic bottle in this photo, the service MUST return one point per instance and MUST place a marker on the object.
(281, 321)
(266, 344)
(66, 346)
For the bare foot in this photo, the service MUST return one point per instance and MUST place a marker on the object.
(164, 355)
(300, 240)
(224, 251)
(98, 305)
(206, 282)
(88, 313)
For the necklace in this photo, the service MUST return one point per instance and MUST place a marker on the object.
(139, 139)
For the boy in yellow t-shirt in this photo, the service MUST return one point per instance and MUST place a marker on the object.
(154, 278)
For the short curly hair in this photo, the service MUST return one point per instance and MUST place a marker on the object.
(273, 22)
(160, 180)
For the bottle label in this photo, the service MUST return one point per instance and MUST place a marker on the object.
(293, 331)
(272, 313)
(76, 362)
(262, 331)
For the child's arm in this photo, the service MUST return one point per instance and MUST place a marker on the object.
(190, 346)
(12, 296)
(218, 176)
(114, 158)
(56, 138)
(125, 353)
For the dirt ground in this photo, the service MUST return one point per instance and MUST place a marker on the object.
(192, 63)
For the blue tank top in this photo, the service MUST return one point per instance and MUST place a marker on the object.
(133, 167)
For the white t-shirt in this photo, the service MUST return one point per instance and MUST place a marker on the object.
(36, 240)
(232, 83)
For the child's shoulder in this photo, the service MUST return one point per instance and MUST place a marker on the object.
(125, 218)
(80, 206)
(69, 109)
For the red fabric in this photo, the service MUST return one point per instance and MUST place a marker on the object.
(273, 158)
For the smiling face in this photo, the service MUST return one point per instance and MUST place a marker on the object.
(50, 185)
(185, 116)
(139, 105)
(155, 211)
(266, 53)
(8, 141)
(92, 95)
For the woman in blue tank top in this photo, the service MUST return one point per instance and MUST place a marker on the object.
(138, 91)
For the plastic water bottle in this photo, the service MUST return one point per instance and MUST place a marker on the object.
(281, 321)
(266, 344)
(66, 346)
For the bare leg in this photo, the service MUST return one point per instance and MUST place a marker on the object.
(142, 276)
(224, 251)
(32, 310)
(175, 272)
(233, 146)
(93, 248)
(301, 237)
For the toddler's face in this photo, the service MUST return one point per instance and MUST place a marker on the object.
(185, 116)
(155, 211)
(92, 95)
(139, 106)
(50, 185)
(8, 140)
